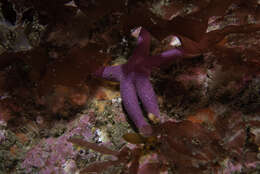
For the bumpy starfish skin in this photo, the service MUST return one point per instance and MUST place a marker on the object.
(134, 79)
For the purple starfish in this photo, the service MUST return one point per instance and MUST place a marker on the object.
(134, 80)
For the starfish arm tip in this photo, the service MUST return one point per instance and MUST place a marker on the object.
(165, 57)
(112, 73)
(143, 43)
(130, 102)
(172, 54)
(99, 72)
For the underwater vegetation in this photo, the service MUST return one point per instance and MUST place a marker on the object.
(129, 86)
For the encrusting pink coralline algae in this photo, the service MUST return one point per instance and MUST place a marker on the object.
(56, 155)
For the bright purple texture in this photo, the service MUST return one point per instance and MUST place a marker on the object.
(134, 79)
(52, 154)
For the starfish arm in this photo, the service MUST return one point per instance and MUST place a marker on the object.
(130, 101)
(146, 94)
(143, 43)
(165, 57)
(112, 73)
